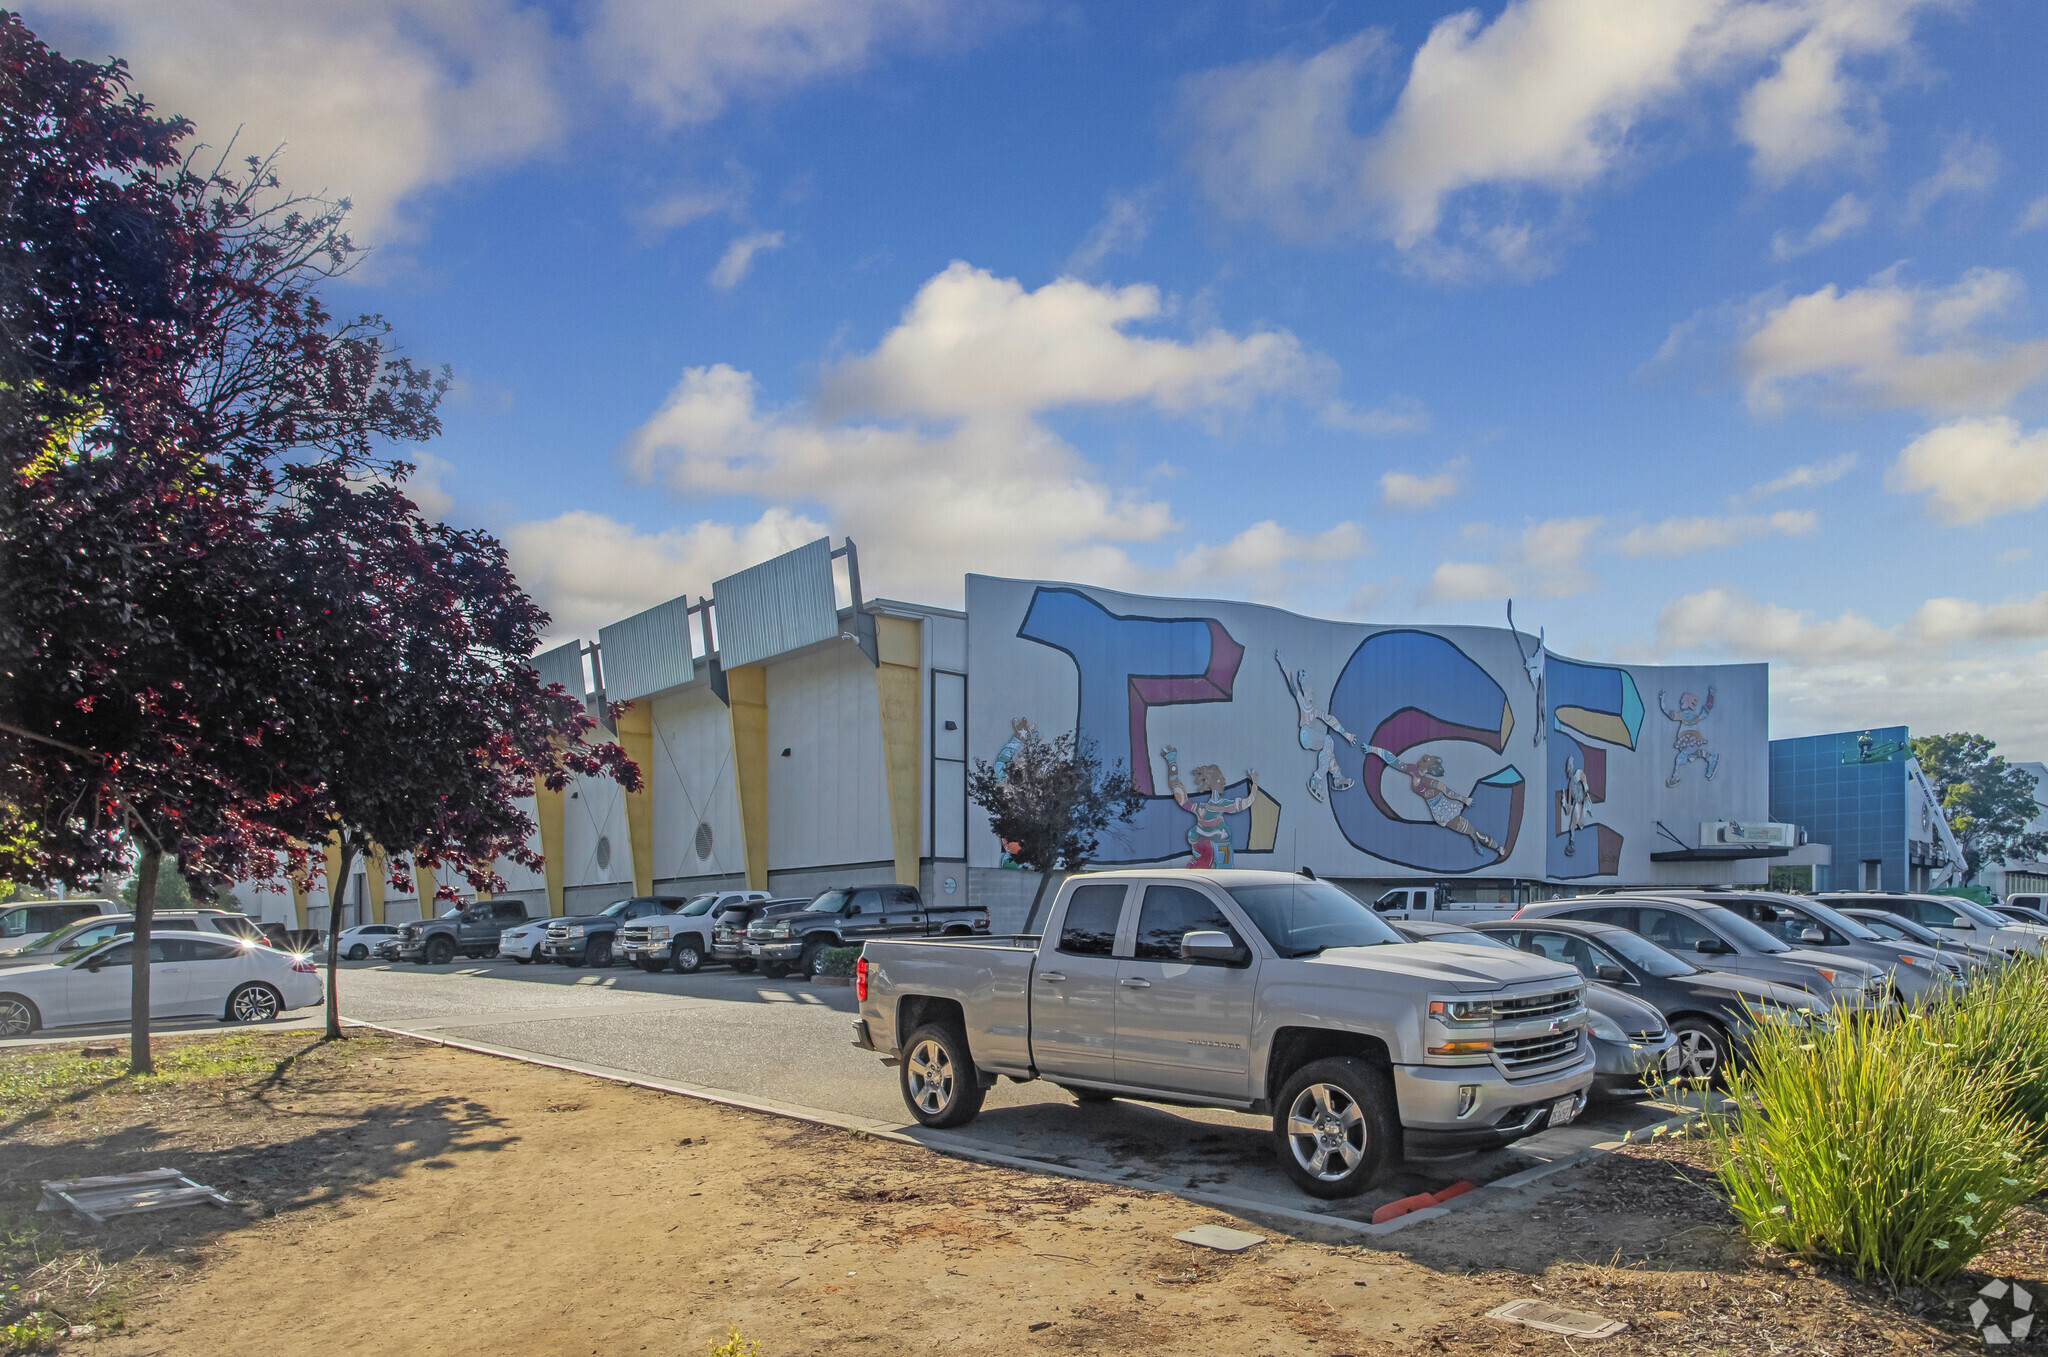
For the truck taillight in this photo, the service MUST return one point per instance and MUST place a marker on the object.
(860, 980)
(981, 924)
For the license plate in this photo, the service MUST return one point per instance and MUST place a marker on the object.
(753, 949)
(1671, 1061)
(1565, 1110)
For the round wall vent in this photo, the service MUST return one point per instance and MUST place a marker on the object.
(604, 853)
(703, 840)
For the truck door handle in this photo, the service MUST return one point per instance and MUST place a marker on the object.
(1052, 977)
(1133, 982)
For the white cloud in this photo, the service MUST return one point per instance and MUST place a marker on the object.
(589, 570)
(686, 62)
(1552, 95)
(1723, 621)
(1399, 415)
(1967, 166)
(732, 266)
(1546, 559)
(1683, 536)
(1404, 490)
(2034, 218)
(374, 101)
(1126, 221)
(1974, 469)
(2013, 556)
(1846, 216)
(1888, 345)
(1808, 477)
(959, 472)
(972, 345)
(673, 211)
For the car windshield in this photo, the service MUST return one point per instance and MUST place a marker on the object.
(614, 909)
(1744, 932)
(1646, 956)
(831, 902)
(1970, 909)
(452, 912)
(698, 904)
(1301, 918)
(1462, 935)
(1813, 910)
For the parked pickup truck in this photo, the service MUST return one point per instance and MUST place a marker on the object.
(1258, 991)
(586, 939)
(682, 939)
(847, 916)
(470, 929)
(729, 934)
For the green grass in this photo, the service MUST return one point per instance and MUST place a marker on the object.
(2001, 1023)
(1883, 1145)
(34, 1083)
(38, 1332)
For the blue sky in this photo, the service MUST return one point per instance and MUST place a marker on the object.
(1706, 329)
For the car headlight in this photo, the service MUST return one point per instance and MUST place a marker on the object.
(1604, 1027)
(1844, 981)
(1457, 1010)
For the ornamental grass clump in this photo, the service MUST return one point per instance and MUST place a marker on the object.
(1877, 1144)
(2000, 1021)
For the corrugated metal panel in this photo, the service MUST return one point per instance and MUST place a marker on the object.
(648, 652)
(777, 606)
(563, 665)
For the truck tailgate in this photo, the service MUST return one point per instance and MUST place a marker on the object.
(990, 979)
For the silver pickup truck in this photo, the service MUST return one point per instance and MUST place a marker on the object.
(1260, 991)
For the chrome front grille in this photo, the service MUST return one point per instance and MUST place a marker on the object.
(637, 933)
(1651, 1034)
(1528, 1053)
(1535, 1005)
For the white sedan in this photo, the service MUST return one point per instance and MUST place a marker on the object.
(359, 942)
(522, 944)
(189, 976)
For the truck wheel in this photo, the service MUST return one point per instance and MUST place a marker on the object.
(743, 965)
(598, 952)
(941, 1087)
(812, 963)
(688, 957)
(440, 951)
(1334, 1126)
(1702, 1050)
(774, 970)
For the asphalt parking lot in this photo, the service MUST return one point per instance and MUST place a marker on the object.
(787, 1045)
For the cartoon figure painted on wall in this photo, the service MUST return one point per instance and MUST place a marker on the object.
(1574, 804)
(1021, 730)
(1209, 836)
(1532, 665)
(1319, 730)
(1689, 742)
(1446, 807)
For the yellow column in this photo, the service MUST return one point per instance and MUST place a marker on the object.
(746, 689)
(898, 641)
(336, 888)
(636, 737)
(298, 885)
(547, 812)
(375, 869)
(423, 884)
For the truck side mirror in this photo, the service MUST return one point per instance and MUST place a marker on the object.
(1208, 945)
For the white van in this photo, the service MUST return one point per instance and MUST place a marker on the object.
(1432, 903)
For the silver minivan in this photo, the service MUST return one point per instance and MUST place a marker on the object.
(89, 933)
(29, 921)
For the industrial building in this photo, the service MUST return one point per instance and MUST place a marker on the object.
(796, 733)
(1872, 820)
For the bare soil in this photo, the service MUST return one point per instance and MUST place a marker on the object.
(395, 1197)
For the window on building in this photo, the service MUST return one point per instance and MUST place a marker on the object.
(1873, 875)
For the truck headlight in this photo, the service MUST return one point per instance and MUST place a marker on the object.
(1457, 1010)
(574, 931)
(657, 933)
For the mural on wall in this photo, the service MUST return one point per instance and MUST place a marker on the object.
(1126, 666)
(1532, 665)
(1021, 729)
(1689, 742)
(1209, 836)
(1412, 688)
(1318, 732)
(1595, 706)
(1404, 737)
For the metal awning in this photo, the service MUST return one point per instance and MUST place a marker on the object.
(1719, 854)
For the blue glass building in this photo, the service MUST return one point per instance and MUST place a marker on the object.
(1859, 793)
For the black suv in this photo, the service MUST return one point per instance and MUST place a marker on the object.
(470, 929)
(847, 916)
(586, 940)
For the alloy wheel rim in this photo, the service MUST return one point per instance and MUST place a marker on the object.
(255, 1005)
(14, 1020)
(1697, 1055)
(931, 1077)
(1326, 1131)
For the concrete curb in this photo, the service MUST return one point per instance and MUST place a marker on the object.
(910, 1134)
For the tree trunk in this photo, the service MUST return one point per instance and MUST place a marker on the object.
(140, 1061)
(1031, 919)
(345, 862)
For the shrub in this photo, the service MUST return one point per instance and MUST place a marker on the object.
(2001, 1022)
(838, 960)
(1876, 1143)
(734, 1345)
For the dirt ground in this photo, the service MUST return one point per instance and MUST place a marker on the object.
(395, 1197)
